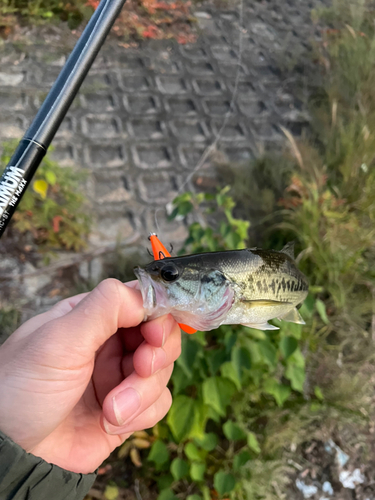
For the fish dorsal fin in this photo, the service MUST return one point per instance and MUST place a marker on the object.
(293, 316)
(289, 249)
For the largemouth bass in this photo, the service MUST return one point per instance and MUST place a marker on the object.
(247, 287)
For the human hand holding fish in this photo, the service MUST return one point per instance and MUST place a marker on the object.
(247, 287)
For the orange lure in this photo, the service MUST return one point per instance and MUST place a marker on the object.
(160, 252)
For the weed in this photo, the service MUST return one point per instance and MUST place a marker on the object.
(52, 210)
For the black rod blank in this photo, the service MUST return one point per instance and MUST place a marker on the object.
(34, 144)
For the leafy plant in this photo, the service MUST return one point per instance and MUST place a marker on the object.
(201, 442)
(52, 210)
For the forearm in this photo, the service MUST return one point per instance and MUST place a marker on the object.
(26, 477)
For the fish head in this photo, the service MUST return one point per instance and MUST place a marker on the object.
(193, 294)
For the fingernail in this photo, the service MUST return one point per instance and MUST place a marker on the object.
(125, 404)
(159, 359)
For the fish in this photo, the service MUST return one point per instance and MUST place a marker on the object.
(234, 287)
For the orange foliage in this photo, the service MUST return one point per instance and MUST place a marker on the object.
(153, 19)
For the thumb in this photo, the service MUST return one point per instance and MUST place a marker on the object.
(110, 306)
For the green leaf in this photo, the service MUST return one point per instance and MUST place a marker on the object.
(296, 375)
(268, 352)
(321, 308)
(164, 481)
(240, 460)
(232, 431)
(279, 391)
(111, 492)
(51, 177)
(205, 492)
(159, 453)
(287, 346)
(208, 442)
(186, 416)
(194, 497)
(197, 471)
(228, 371)
(41, 188)
(241, 359)
(217, 392)
(193, 454)
(167, 494)
(224, 482)
(180, 380)
(215, 359)
(318, 393)
(189, 350)
(252, 442)
(179, 468)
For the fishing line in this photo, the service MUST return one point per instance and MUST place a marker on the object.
(212, 147)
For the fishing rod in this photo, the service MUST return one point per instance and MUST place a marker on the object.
(34, 144)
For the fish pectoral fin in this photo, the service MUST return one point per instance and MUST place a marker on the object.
(261, 326)
(293, 316)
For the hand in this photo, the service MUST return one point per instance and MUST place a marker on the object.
(76, 381)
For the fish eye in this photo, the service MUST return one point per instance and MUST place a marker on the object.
(169, 272)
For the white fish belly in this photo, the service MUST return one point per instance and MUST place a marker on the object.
(240, 314)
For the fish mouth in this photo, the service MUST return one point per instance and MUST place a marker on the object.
(154, 295)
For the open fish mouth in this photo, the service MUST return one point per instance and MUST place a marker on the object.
(154, 295)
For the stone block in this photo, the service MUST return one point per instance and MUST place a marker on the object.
(101, 126)
(11, 79)
(105, 155)
(116, 190)
(216, 106)
(190, 154)
(200, 68)
(147, 128)
(233, 131)
(193, 51)
(67, 128)
(142, 104)
(239, 154)
(13, 101)
(96, 81)
(12, 126)
(208, 86)
(157, 187)
(99, 102)
(189, 129)
(150, 156)
(135, 83)
(224, 53)
(65, 154)
(252, 107)
(171, 84)
(131, 63)
(185, 106)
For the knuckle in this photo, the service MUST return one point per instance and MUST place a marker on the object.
(109, 289)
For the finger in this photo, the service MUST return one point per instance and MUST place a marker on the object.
(59, 309)
(107, 373)
(110, 306)
(131, 338)
(127, 364)
(146, 419)
(157, 330)
(134, 395)
(148, 359)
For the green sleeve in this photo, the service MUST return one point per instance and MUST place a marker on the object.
(26, 477)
